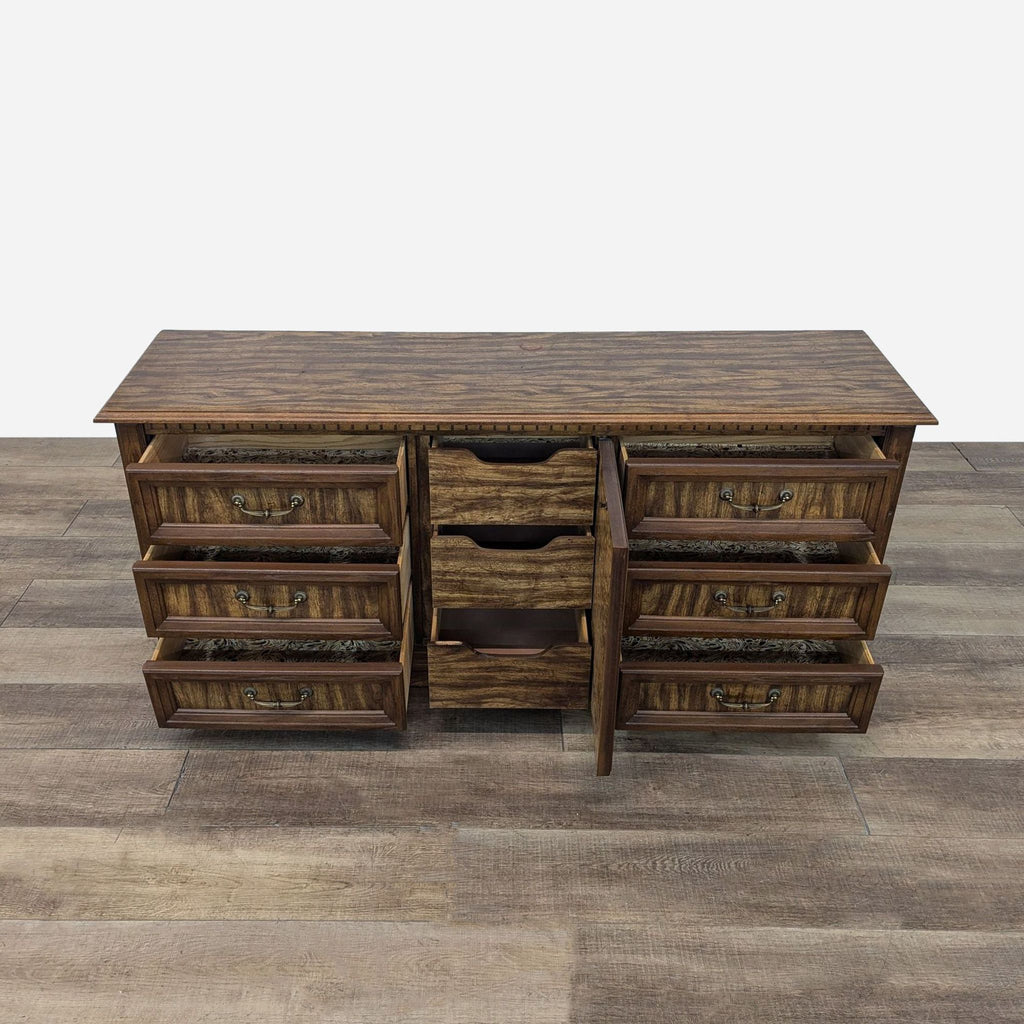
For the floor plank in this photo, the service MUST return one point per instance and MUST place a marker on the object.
(299, 972)
(77, 603)
(86, 787)
(102, 558)
(934, 649)
(225, 874)
(939, 797)
(950, 711)
(119, 715)
(57, 451)
(104, 518)
(535, 876)
(985, 611)
(806, 796)
(970, 565)
(37, 518)
(659, 973)
(959, 524)
(994, 455)
(991, 488)
(12, 589)
(937, 456)
(62, 483)
(100, 657)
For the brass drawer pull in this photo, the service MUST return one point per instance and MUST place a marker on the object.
(728, 494)
(242, 597)
(294, 502)
(304, 694)
(745, 705)
(722, 598)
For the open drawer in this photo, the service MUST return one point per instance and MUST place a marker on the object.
(786, 686)
(281, 684)
(547, 481)
(509, 658)
(270, 489)
(325, 592)
(512, 566)
(769, 487)
(767, 589)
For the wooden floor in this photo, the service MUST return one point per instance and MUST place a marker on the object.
(474, 869)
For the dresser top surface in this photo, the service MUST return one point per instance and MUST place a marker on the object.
(607, 382)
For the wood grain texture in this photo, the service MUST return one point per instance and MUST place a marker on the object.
(156, 873)
(937, 457)
(605, 383)
(996, 564)
(466, 490)
(356, 972)
(655, 973)
(549, 875)
(994, 611)
(103, 518)
(936, 649)
(33, 517)
(995, 487)
(939, 797)
(58, 451)
(797, 795)
(101, 558)
(12, 589)
(935, 525)
(86, 787)
(95, 656)
(466, 575)
(78, 603)
(993, 455)
(41, 484)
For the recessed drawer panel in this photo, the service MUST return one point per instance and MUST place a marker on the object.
(509, 658)
(836, 488)
(281, 684)
(511, 567)
(291, 592)
(812, 686)
(835, 599)
(538, 481)
(270, 489)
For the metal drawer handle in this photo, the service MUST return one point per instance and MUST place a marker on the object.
(304, 694)
(728, 494)
(745, 705)
(238, 500)
(242, 597)
(722, 598)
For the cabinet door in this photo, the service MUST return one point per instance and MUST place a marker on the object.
(610, 561)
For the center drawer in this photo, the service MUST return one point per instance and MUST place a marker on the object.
(792, 488)
(281, 684)
(270, 489)
(287, 592)
(768, 589)
(783, 686)
(509, 658)
(546, 481)
(512, 566)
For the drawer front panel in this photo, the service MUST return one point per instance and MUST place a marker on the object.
(841, 500)
(789, 698)
(273, 695)
(460, 676)
(275, 599)
(465, 575)
(755, 602)
(321, 504)
(464, 490)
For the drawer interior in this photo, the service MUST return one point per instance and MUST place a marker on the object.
(692, 650)
(293, 652)
(511, 449)
(297, 448)
(512, 538)
(509, 630)
(318, 555)
(757, 552)
(750, 446)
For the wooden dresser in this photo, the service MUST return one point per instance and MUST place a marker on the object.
(676, 530)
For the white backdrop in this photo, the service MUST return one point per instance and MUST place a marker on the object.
(510, 166)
